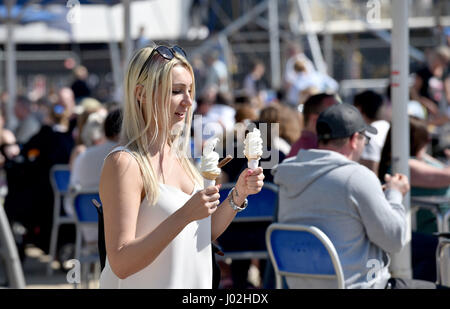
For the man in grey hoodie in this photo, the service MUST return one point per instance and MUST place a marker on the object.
(328, 189)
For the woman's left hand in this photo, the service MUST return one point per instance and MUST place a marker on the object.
(250, 181)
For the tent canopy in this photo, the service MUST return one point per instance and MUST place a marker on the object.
(15, 12)
(65, 2)
(29, 15)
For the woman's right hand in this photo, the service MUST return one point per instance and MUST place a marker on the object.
(202, 204)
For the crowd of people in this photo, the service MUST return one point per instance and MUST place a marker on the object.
(331, 161)
(55, 129)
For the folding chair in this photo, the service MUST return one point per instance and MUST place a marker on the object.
(101, 234)
(444, 243)
(9, 255)
(59, 179)
(442, 256)
(249, 225)
(302, 251)
(432, 204)
(85, 215)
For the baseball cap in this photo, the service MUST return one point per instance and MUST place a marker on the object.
(340, 121)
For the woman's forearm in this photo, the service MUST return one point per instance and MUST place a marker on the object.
(426, 176)
(221, 219)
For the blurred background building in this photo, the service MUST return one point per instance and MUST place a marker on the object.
(346, 35)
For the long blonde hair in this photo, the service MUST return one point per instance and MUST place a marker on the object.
(148, 125)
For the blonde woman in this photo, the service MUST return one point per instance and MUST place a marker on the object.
(159, 221)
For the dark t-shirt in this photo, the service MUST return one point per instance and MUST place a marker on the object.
(30, 194)
(80, 89)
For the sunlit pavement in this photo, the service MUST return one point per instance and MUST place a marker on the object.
(34, 269)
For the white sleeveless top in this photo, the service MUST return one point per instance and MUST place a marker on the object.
(186, 263)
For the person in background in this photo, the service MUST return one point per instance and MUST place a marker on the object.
(291, 124)
(245, 116)
(372, 108)
(28, 125)
(66, 99)
(329, 189)
(8, 150)
(309, 81)
(86, 170)
(142, 40)
(253, 82)
(276, 146)
(221, 112)
(30, 196)
(200, 72)
(428, 87)
(429, 177)
(87, 166)
(217, 74)
(312, 108)
(294, 54)
(254, 85)
(80, 86)
(89, 129)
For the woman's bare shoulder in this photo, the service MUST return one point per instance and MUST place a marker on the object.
(121, 167)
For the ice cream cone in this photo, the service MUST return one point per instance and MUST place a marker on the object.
(210, 176)
(209, 179)
(209, 163)
(253, 148)
(253, 163)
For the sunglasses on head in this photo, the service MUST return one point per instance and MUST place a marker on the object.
(167, 53)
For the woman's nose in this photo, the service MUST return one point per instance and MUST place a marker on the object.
(187, 100)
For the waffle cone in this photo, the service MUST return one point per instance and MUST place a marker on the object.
(250, 158)
(210, 176)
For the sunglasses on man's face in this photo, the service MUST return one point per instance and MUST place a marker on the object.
(167, 53)
(367, 138)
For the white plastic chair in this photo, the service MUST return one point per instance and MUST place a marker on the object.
(432, 204)
(59, 179)
(85, 215)
(442, 256)
(9, 254)
(302, 251)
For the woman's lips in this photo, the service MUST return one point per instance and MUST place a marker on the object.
(180, 115)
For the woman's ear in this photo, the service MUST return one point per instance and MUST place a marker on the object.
(139, 93)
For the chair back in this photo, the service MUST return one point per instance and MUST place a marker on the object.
(82, 205)
(262, 206)
(60, 178)
(101, 233)
(245, 237)
(304, 252)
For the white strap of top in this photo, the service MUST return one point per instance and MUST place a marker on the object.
(119, 148)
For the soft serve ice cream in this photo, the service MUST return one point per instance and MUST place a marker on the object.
(253, 148)
(209, 163)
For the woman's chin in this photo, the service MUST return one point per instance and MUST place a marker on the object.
(177, 127)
